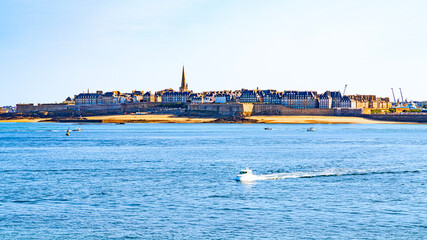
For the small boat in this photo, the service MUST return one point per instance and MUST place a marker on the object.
(120, 123)
(77, 130)
(67, 133)
(312, 129)
(246, 175)
(267, 128)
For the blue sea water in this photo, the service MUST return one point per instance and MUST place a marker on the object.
(176, 181)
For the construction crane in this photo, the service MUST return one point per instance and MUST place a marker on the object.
(401, 94)
(394, 98)
(345, 87)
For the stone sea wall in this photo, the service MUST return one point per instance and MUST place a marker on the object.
(417, 118)
(219, 109)
(28, 108)
(271, 109)
(248, 109)
(206, 110)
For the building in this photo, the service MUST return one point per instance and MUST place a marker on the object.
(222, 98)
(197, 98)
(184, 85)
(8, 109)
(209, 97)
(300, 99)
(325, 100)
(69, 101)
(370, 101)
(271, 97)
(137, 96)
(88, 98)
(250, 96)
(175, 97)
(111, 97)
(149, 97)
(347, 102)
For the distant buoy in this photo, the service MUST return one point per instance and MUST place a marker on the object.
(68, 133)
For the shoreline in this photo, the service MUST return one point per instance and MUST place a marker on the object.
(168, 118)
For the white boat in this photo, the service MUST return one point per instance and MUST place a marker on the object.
(246, 175)
(312, 129)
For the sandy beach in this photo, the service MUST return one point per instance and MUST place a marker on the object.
(317, 120)
(260, 119)
(24, 120)
(149, 118)
(165, 118)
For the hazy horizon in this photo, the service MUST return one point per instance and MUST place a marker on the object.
(50, 50)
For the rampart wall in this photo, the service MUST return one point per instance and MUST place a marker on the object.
(419, 118)
(28, 108)
(247, 109)
(232, 109)
(97, 108)
(272, 109)
(218, 109)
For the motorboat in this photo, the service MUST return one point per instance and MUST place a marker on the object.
(77, 130)
(312, 129)
(246, 175)
(267, 128)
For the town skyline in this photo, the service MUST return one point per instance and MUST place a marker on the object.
(396, 96)
(53, 49)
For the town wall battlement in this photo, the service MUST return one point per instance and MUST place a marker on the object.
(28, 108)
(219, 109)
(419, 118)
(248, 109)
(272, 109)
(212, 109)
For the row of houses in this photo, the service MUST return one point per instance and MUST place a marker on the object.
(291, 99)
(7, 109)
(311, 99)
(166, 96)
(114, 97)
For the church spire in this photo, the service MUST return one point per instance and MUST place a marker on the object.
(184, 85)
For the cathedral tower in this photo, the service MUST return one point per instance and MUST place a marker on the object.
(184, 85)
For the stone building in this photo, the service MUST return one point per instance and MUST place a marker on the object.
(88, 98)
(250, 96)
(271, 96)
(149, 97)
(300, 99)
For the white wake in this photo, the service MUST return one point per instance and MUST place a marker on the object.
(311, 174)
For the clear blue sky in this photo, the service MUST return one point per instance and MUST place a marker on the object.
(50, 50)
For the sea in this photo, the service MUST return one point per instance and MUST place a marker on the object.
(177, 181)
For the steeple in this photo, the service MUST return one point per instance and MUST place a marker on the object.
(184, 85)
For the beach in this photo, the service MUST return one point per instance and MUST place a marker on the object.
(260, 119)
(168, 118)
(26, 120)
(316, 120)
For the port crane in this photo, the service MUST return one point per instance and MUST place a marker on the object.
(394, 98)
(401, 95)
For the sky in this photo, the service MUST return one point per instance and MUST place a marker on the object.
(52, 49)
